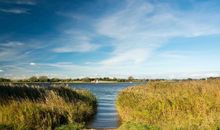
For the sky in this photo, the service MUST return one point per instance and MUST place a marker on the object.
(110, 38)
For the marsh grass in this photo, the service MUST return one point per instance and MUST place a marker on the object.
(172, 105)
(137, 126)
(37, 108)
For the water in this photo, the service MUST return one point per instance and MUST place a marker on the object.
(106, 116)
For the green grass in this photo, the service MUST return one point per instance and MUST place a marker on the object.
(25, 107)
(172, 105)
(137, 126)
(74, 126)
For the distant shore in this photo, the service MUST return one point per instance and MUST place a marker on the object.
(45, 79)
(70, 82)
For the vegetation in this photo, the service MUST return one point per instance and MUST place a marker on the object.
(137, 126)
(86, 79)
(74, 126)
(4, 80)
(130, 78)
(190, 104)
(33, 107)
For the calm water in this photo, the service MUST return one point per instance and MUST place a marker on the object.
(106, 116)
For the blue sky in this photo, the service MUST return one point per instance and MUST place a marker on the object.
(143, 38)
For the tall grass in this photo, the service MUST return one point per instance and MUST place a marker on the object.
(172, 105)
(37, 108)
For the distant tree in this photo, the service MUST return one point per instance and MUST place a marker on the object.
(121, 80)
(114, 79)
(68, 80)
(86, 79)
(189, 79)
(20, 80)
(4, 80)
(77, 79)
(217, 77)
(43, 79)
(55, 80)
(146, 80)
(33, 79)
(130, 78)
(106, 78)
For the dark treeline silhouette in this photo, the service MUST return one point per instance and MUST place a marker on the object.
(4, 80)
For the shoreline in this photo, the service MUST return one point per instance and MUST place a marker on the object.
(101, 82)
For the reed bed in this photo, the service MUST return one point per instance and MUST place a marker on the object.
(24, 107)
(168, 105)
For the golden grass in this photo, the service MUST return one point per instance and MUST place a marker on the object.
(44, 108)
(172, 105)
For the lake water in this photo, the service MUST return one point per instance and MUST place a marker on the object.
(106, 93)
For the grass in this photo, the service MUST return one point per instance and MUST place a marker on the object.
(73, 126)
(23, 107)
(171, 105)
(137, 126)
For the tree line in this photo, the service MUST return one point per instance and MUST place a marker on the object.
(89, 79)
(85, 79)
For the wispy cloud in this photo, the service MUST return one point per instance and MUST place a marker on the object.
(33, 64)
(133, 38)
(175, 54)
(69, 69)
(12, 44)
(72, 15)
(141, 25)
(20, 2)
(11, 50)
(16, 71)
(75, 42)
(134, 56)
(184, 75)
(76, 47)
(136, 30)
(16, 50)
(15, 11)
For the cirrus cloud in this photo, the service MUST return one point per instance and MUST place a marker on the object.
(20, 2)
(145, 26)
(15, 11)
(72, 41)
